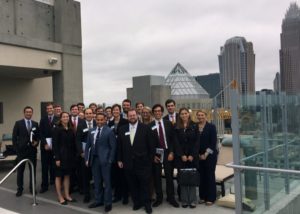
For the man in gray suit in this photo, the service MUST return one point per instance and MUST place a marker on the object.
(99, 154)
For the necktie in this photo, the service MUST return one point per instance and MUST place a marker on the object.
(90, 125)
(172, 119)
(132, 133)
(74, 122)
(28, 126)
(161, 136)
(98, 134)
(50, 120)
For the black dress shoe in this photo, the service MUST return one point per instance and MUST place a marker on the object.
(125, 201)
(107, 208)
(116, 199)
(136, 207)
(148, 209)
(95, 204)
(192, 206)
(174, 203)
(157, 203)
(19, 193)
(184, 205)
(86, 199)
(43, 190)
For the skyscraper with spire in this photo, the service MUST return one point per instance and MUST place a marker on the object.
(290, 51)
(237, 62)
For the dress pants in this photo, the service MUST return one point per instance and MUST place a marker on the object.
(20, 171)
(168, 169)
(102, 177)
(138, 182)
(207, 187)
(84, 177)
(188, 195)
(47, 168)
(119, 182)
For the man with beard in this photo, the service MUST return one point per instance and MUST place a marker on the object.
(135, 155)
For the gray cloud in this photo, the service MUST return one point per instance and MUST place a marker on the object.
(122, 39)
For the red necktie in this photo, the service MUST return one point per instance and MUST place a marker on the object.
(161, 136)
(74, 122)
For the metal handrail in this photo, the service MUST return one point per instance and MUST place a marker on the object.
(32, 177)
(269, 150)
(264, 169)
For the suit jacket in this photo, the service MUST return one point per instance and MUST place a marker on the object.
(79, 121)
(167, 117)
(46, 129)
(169, 133)
(82, 134)
(21, 137)
(64, 147)
(121, 123)
(141, 153)
(106, 148)
(187, 144)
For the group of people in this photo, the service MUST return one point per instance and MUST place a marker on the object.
(123, 150)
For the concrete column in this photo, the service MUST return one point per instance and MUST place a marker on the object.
(67, 84)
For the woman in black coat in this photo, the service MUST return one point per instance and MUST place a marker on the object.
(118, 178)
(208, 155)
(64, 150)
(187, 152)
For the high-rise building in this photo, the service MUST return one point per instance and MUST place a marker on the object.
(276, 83)
(237, 62)
(290, 51)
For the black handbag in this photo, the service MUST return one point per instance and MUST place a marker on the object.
(189, 177)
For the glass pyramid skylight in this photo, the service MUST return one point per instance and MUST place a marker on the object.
(183, 85)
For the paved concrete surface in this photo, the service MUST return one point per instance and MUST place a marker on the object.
(47, 202)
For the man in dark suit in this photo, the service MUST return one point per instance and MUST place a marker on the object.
(84, 175)
(163, 134)
(172, 116)
(75, 121)
(99, 154)
(135, 155)
(25, 140)
(126, 105)
(46, 125)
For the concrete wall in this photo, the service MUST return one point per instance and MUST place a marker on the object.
(160, 93)
(19, 94)
(55, 28)
(31, 32)
(27, 18)
(143, 90)
(15, 56)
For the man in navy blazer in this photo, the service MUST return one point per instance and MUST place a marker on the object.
(25, 140)
(99, 154)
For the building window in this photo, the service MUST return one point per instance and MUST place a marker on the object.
(1, 112)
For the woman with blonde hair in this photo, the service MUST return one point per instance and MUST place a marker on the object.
(208, 155)
(147, 116)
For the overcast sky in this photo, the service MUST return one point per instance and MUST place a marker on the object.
(122, 39)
